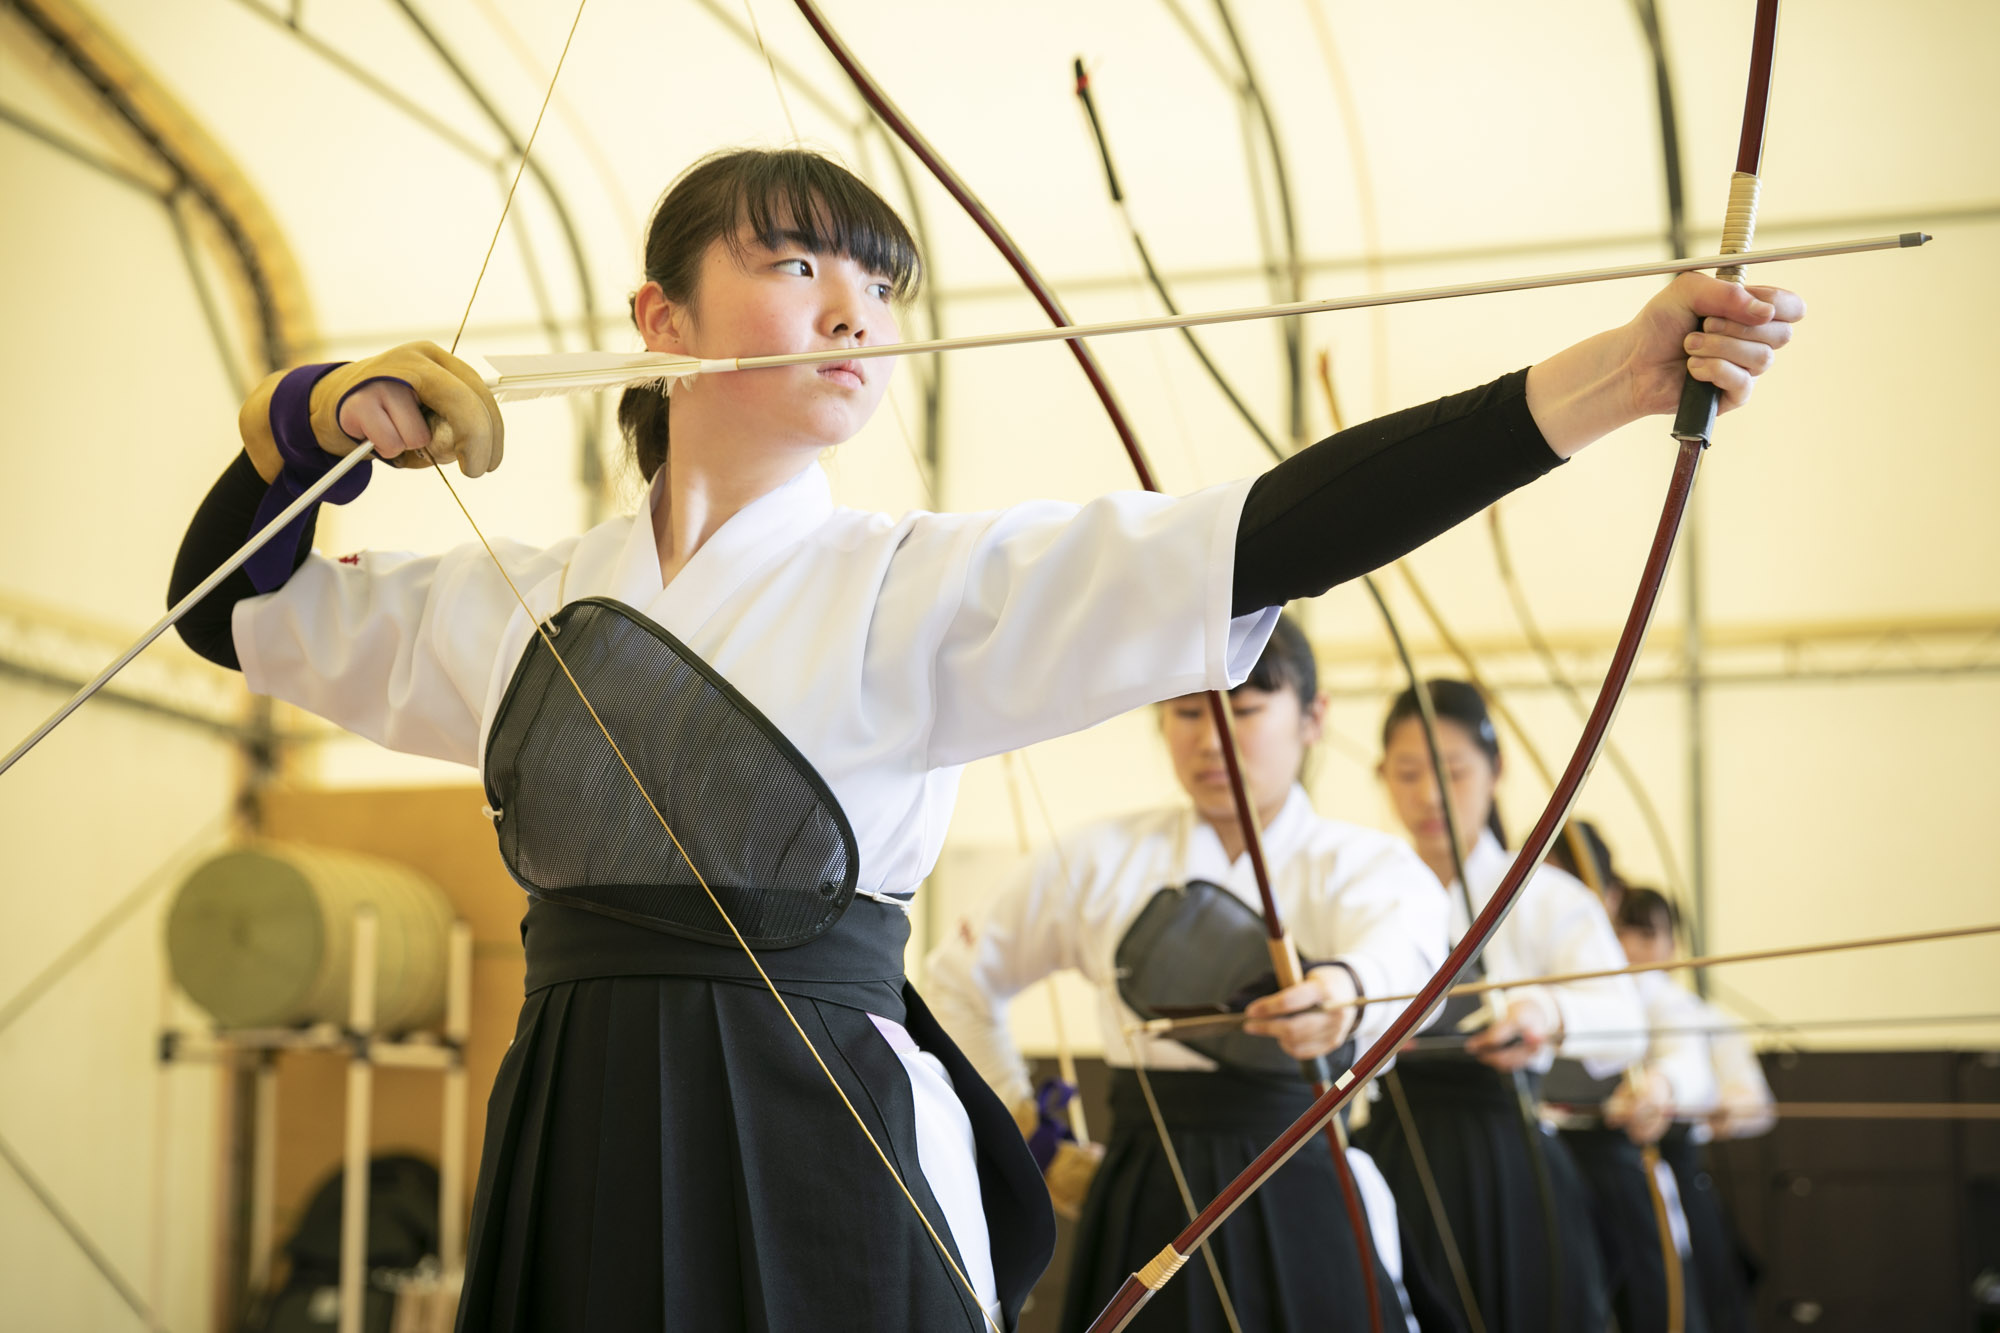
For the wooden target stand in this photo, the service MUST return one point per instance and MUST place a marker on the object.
(330, 1095)
(363, 1049)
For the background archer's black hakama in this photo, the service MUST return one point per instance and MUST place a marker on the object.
(1468, 1127)
(1628, 1233)
(1288, 1256)
(1717, 1262)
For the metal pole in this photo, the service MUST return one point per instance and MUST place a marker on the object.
(360, 1095)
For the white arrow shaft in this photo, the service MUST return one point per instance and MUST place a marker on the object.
(201, 590)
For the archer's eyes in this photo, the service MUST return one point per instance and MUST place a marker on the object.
(800, 266)
(882, 291)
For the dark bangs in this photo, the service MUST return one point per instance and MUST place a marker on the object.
(799, 198)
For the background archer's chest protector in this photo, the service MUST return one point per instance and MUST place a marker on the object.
(755, 819)
(1198, 949)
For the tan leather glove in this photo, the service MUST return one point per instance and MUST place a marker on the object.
(1070, 1174)
(454, 416)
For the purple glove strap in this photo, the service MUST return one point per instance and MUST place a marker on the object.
(305, 463)
(1050, 1133)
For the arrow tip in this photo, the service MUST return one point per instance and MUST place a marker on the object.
(1911, 238)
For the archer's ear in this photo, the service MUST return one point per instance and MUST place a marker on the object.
(663, 324)
(1312, 720)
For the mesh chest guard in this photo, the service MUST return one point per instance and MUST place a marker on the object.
(761, 824)
(1199, 949)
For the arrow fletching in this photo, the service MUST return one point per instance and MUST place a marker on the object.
(515, 378)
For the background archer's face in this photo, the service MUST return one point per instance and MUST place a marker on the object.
(1412, 786)
(1272, 732)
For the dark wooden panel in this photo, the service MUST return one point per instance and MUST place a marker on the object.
(1864, 1076)
(1864, 1251)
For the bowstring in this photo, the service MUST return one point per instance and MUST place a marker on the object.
(548, 642)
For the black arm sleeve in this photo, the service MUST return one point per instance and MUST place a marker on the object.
(1369, 495)
(220, 526)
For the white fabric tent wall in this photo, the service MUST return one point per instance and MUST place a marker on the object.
(1858, 486)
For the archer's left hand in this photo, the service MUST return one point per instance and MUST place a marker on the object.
(1643, 1105)
(1719, 332)
(1722, 333)
(1327, 993)
(1515, 1039)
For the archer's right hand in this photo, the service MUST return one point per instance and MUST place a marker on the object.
(417, 404)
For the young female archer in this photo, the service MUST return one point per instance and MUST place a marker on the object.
(795, 686)
(1453, 1128)
(1159, 911)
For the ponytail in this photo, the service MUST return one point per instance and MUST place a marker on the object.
(642, 417)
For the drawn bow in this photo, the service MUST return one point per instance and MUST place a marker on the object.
(1691, 429)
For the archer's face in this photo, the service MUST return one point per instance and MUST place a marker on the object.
(754, 300)
(1646, 946)
(1272, 733)
(1412, 787)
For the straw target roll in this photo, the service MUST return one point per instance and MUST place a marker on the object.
(262, 936)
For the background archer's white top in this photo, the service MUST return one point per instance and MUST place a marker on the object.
(1678, 1047)
(1346, 893)
(1557, 925)
(890, 651)
(1741, 1089)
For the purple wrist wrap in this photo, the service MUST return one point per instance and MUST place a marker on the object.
(305, 463)
(1050, 1133)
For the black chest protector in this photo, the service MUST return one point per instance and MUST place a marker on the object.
(760, 824)
(1198, 949)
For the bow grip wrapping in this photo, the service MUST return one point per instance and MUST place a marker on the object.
(1700, 401)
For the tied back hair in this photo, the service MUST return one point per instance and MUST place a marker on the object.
(1562, 855)
(1648, 911)
(779, 197)
(1453, 701)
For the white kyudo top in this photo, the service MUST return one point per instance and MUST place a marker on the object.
(1346, 893)
(1678, 1046)
(1741, 1090)
(1557, 925)
(890, 651)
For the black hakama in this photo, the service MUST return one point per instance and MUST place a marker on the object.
(662, 1152)
(1628, 1233)
(1717, 1260)
(1288, 1256)
(1468, 1127)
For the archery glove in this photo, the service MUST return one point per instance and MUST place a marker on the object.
(459, 410)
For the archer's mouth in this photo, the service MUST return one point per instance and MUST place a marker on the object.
(848, 373)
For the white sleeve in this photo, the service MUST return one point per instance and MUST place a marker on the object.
(1057, 617)
(1028, 933)
(1742, 1091)
(1606, 1016)
(397, 648)
(1678, 1049)
(1390, 922)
